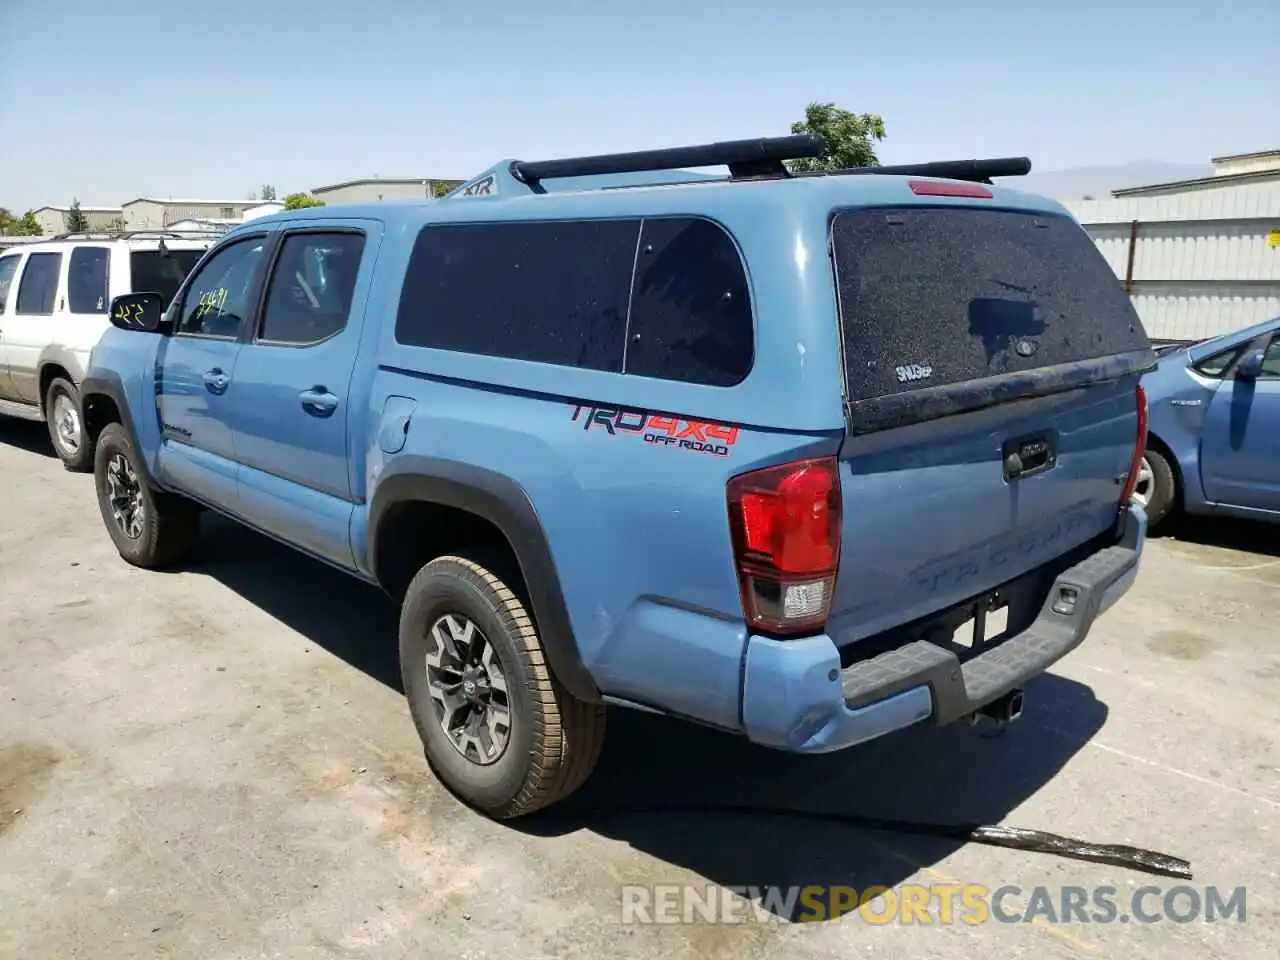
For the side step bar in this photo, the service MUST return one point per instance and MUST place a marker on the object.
(21, 411)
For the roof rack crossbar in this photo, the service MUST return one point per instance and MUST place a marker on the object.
(974, 171)
(744, 158)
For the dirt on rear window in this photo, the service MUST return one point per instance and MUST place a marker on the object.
(934, 296)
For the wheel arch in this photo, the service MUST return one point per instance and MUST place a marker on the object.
(503, 505)
(103, 401)
(57, 361)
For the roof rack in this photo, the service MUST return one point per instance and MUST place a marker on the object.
(761, 157)
(974, 171)
(84, 235)
(131, 234)
(171, 234)
(757, 159)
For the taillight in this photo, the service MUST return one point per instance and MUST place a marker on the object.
(785, 522)
(937, 188)
(1139, 449)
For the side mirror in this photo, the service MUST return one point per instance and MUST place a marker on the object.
(142, 312)
(1250, 366)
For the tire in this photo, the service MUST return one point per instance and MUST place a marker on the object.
(168, 526)
(65, 420)
(1162, 494)
(553, 740)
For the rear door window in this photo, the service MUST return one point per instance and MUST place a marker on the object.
(39, 284)
(312, 286)
(932, 296)
(87, 275)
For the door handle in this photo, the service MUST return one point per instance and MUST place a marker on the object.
(318, 401)
(216, 380)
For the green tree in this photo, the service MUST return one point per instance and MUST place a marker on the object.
(300, 201)
(29, 226)
(76, 221)
(268, 192)
(850, 137)
(7, 223)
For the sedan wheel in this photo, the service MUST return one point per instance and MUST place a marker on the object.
(1145, 488)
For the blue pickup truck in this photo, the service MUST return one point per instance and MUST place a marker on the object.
(809, 458)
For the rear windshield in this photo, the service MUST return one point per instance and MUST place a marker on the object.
(935, 296)
(162, 274)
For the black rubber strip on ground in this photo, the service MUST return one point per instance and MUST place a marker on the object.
(1012, 838)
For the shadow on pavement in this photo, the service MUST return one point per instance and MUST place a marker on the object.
(27, 435)
(354, 621)
(956, 775)
(951, 776)
(1248, 536)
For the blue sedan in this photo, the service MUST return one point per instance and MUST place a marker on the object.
(1213, 443)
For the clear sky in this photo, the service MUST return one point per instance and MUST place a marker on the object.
(110, 100)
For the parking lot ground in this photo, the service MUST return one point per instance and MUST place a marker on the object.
(216, 763)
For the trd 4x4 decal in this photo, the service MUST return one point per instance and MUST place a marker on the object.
(658, 429)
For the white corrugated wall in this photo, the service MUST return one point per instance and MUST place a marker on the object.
(1205, 261)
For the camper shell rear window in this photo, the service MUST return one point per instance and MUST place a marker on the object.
(933, 296)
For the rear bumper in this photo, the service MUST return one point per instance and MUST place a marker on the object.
(796, 696)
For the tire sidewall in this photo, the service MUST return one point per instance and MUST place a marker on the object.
(112, 442)
(1163, 488)
(83, 458)
(450, 587)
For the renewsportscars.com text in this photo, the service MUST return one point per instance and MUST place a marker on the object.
(931, 904)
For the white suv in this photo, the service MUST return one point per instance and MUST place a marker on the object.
(54, 296)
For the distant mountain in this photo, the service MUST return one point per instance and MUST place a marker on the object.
(1098, 182)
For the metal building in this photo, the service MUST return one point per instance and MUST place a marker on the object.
(151, 213)
(377, 188)
(53, 220)
(1198, 257)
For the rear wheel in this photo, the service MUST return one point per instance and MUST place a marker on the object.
(149, 528)
(1157, 487)
(66, 426)
(499, 730)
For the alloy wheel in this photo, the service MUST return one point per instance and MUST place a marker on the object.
(1145, 487)
(66, 422)
(468, 689)
(124, 491)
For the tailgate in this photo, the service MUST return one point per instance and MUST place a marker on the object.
(991, 361)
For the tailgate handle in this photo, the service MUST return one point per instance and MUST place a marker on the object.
(1027, 456)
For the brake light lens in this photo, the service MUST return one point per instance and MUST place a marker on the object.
(937, 188)
(786, 523)
(1139, 448)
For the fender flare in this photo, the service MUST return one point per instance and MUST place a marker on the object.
(506, 505)
(1184, 461)
(108, 384)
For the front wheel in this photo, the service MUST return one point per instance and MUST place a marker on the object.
(66, 426)
(499, 730)
(148, 528)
